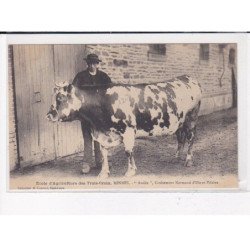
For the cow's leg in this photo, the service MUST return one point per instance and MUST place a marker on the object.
(181, 138)
(129, 142)
(98, 154)
(105, 165)
(190, 138)
(131, 164)
(190, 127)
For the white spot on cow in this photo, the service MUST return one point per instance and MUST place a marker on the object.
(184, 100)
(105, 165)
(115, 120)
(74, 103)
(189, 157)
(129, 139)
(129, 142)
(187, 100)
(108, 139)
(141, 133)
(157, 130)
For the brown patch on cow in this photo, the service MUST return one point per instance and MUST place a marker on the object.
(154, 90)
(113, 98)
(123, 122)
(141, 100)
(69, 88)
(110, 140)
(165, 116)
(180, 116)
(169, 90)
(144, 120)
(120, 126)
(184, 78)
(171, 80)
(60, 99)
(192, 98)
(129, 120)
(119, 114)
(149, 103)
(142, 113)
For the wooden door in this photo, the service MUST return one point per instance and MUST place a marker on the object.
(234, 89)
(34, 78)
(68, 61)
(36, 69)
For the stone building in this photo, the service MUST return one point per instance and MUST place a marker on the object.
(33, 69)
(213, 65)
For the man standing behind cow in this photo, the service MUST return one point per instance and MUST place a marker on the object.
(91, 76)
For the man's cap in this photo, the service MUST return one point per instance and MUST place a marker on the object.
(92, 58)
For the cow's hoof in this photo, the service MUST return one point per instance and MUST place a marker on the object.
(175, 160)
(130, 172)
(189, 163)
(178, 155)
(85, 168)
(103, 175)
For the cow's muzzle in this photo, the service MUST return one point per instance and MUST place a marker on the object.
(52, 116)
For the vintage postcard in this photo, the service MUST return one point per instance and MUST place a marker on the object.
(122, 115)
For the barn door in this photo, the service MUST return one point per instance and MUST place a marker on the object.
(36, 69)
(234, 89)
(34, 77)
(68, 61)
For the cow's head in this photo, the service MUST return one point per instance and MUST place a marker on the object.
(65, 103)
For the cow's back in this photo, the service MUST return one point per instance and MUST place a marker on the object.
(184, 91)
(154, 109)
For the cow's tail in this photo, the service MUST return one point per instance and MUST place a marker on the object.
(195, 111)
(187, 133)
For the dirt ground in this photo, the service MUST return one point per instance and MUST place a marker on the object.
(215, 153)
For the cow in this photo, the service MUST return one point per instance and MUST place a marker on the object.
(118, 113)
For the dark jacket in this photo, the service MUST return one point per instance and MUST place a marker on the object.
(85, 78)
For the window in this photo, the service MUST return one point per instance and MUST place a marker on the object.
(158, 49)
(204, 52)
(157, 52)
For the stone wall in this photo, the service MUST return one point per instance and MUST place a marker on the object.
(131, 63)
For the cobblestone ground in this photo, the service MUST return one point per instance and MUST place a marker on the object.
(215, 152)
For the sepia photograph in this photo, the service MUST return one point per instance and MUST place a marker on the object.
(122, 116)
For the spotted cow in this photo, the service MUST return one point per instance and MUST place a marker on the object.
(120, 113)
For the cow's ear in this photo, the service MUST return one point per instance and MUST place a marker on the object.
(55, 91)
(70, 86)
